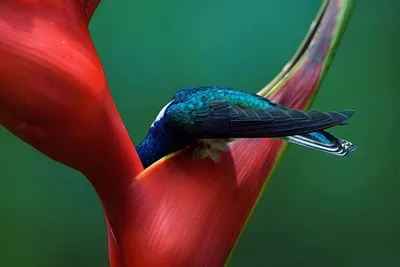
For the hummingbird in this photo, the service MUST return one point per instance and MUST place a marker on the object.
(209, 118)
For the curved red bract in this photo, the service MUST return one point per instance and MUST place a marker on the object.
(179, 212)
(195, 209)
(54, 95)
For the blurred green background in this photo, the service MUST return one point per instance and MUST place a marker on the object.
(317, 210)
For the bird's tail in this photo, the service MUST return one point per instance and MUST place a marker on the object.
(323, 141)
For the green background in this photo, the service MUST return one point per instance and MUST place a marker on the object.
(318, 210)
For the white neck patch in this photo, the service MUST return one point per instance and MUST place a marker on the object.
(161, 114)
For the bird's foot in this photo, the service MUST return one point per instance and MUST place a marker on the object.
(211, 148)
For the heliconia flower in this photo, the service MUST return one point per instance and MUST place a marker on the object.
(180, 211)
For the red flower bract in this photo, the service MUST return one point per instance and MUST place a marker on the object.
(179, 212)
(54, 95)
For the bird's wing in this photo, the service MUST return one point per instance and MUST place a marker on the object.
(220, 119)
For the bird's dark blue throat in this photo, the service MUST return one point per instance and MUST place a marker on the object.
(161, 140)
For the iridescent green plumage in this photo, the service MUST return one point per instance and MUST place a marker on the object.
(190, 104)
